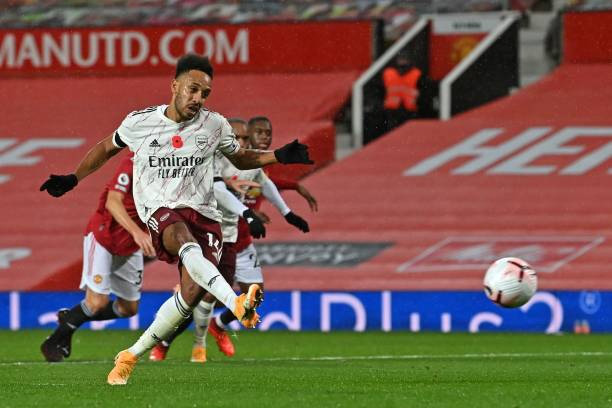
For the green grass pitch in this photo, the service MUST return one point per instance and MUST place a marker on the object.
(340, 369)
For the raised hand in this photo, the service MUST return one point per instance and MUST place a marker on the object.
(256, 227)
(312, 202)
(293, 153)
(143, 240)
(262, 216)
(297, 221)
(57, 186)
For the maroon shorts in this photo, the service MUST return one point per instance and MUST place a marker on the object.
(227, 266)
(206, 232)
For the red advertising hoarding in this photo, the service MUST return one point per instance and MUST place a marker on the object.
(587, 37)
(276, 47)
(527, 176)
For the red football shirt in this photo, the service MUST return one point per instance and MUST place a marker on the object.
(106, 230)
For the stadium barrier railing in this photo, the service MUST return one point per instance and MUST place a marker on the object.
(368, 78)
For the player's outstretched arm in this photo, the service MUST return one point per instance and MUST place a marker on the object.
(96, 157)
(287, 184)
(114, 205)
(291, 153)
(58, 185)
(272, 194)
(312, 202)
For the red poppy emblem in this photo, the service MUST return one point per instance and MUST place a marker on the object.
(177, 142)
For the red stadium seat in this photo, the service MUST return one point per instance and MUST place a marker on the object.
(41, 235)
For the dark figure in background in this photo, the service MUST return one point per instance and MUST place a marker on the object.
(401, 92)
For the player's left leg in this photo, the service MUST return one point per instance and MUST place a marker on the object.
(202, 315)
(159, 351)
(103, 273)
(124, 281)
(58, 345)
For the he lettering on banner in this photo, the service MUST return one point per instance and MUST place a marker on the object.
(518, 163)
(8, 255)
(13, 153)
(273, 47)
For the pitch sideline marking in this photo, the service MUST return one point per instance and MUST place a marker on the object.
(358, 358)
(437, 356)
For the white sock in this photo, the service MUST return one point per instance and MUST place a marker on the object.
(169, 316)
(202, 315)
(205, 274)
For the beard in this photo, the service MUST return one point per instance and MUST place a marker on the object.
(185, 113)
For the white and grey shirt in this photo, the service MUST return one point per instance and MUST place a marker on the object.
(173, 162)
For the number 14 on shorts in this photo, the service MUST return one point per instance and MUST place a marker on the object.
(215, 246)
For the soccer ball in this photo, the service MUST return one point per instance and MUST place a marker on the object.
(510, 282)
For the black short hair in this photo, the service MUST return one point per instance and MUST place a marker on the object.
(192, 61)
(237, 120)
(256, 119)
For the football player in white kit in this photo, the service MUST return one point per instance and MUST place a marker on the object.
(245, 264)
(174, 147)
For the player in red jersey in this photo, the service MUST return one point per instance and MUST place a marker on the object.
(113, 247)
(260, 133)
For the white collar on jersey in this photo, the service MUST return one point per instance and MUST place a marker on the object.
(161, 111)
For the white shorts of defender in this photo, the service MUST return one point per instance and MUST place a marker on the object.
(248, 269)
(105, 273)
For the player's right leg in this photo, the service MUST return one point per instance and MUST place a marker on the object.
(248, 272)
(219, 325)
(200, 259)
(203, 313)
